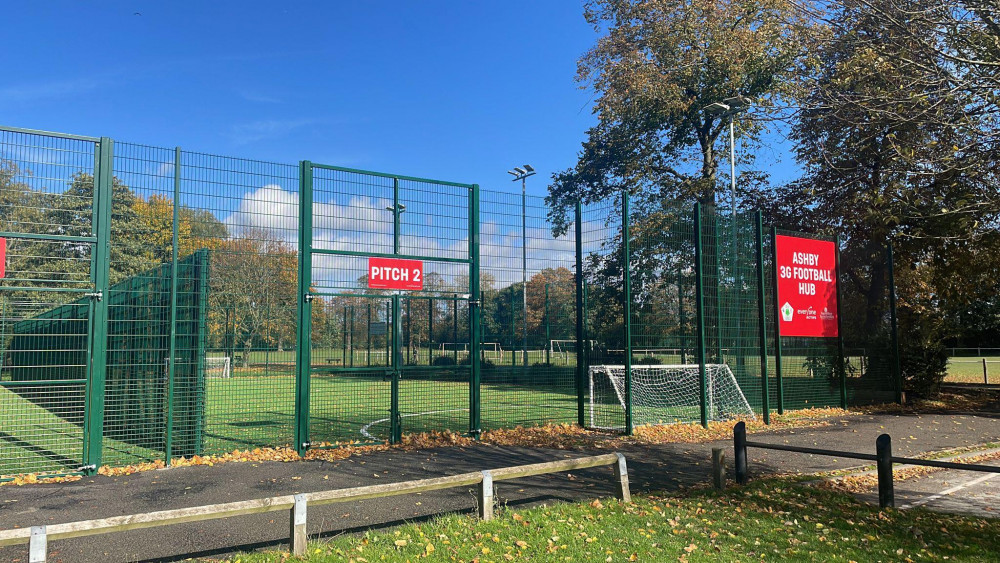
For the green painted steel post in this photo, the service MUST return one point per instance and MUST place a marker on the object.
(454, 326)
(581, 364)
(396, 430)
(388, 341)
(777, 323)
(897, 373)
(513, 330)
(841, 371)
(303, 360)
(395, 215)
(409, 333)
(680, 313)
(699, 272)
(627, 309)
(171, 368)
(762, 319)
(430, 331)
(475, 326)
(100, 276)
(343, 338)
(548, 336)
(351, 348)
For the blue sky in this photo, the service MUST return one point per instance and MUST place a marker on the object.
(459, 91)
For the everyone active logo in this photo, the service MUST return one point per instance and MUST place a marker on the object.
(787, 312)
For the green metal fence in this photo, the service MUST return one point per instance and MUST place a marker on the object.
(160, 303)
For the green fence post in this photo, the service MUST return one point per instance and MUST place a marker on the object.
(303, 361)
(762, 319)
(388, 340)
(897, 373)
(351, 347)
(368, 337)
(430, 330)
(409, 333)
(171, 369)
(681, 325)
(777, 324)
(842, 372)
(700, 309)
(396, 420)
(581, 365)
(343, 338)
(513, 330)
(627, 309)
(475, 327)
(100, 276)
(548, 336)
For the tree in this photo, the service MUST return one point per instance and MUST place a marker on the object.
(888, 159)
(253, 292)
(655, 71)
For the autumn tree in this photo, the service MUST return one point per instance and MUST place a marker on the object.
(654, 72)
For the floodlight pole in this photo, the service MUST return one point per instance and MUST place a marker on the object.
(522, 174)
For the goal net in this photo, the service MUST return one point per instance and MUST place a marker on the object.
(218, 367)
(664, 394)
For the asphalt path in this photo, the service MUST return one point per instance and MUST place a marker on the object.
(651, 468)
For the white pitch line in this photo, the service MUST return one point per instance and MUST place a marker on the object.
(951, 490)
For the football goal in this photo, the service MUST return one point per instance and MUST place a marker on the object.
(218, 367)
(563, 348)
(490, 350)
(663, 394)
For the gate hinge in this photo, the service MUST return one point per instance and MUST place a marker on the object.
(306, 444)
(95, 295)
(85, 468)
(475, 302)
(309, 297)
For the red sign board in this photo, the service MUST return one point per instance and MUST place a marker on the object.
(395, 273)
(807, 287)
(3, 257)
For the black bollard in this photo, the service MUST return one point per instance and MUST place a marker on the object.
(883, 454)
(740, 453)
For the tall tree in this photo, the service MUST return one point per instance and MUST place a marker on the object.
(654, 72)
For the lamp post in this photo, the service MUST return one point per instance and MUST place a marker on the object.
(522, 174)
(729, 108)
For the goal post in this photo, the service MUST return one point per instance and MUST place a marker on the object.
(218, 368)
(663, 394)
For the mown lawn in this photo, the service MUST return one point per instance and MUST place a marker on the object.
(770, 519)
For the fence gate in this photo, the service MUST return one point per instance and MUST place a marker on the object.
(55, 200)
(388, 306)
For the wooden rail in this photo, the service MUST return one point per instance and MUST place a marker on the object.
(38, 536)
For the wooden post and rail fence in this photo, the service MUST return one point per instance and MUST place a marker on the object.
(882, 457)
(38, 537)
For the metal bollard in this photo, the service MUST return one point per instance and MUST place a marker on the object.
(486, 496)
(883, 454)
(740, 455)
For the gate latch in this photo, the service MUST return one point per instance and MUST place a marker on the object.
(95, 295)
(309, 297)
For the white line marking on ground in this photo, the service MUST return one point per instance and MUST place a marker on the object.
(951, 490)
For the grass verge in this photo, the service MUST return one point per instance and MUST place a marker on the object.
(769, 519)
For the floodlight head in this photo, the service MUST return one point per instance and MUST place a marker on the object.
(738, 102)
(512, 173)
(518, 170)
(717, 107)
(529, 168)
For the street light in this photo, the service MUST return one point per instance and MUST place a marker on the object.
(729, 108)
(522, 174)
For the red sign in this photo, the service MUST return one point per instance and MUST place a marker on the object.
(395, 273)
(807, 287)
(3, 257)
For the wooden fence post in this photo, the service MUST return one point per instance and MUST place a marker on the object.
(719, 468)
(486, 496)
(621, 476)
(38, 545)
(298, 537)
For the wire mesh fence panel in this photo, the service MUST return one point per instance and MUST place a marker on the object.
(664, 327)
(604, 338)
(738, 309)
(243, 214)
(528, 314)
(47, 235)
